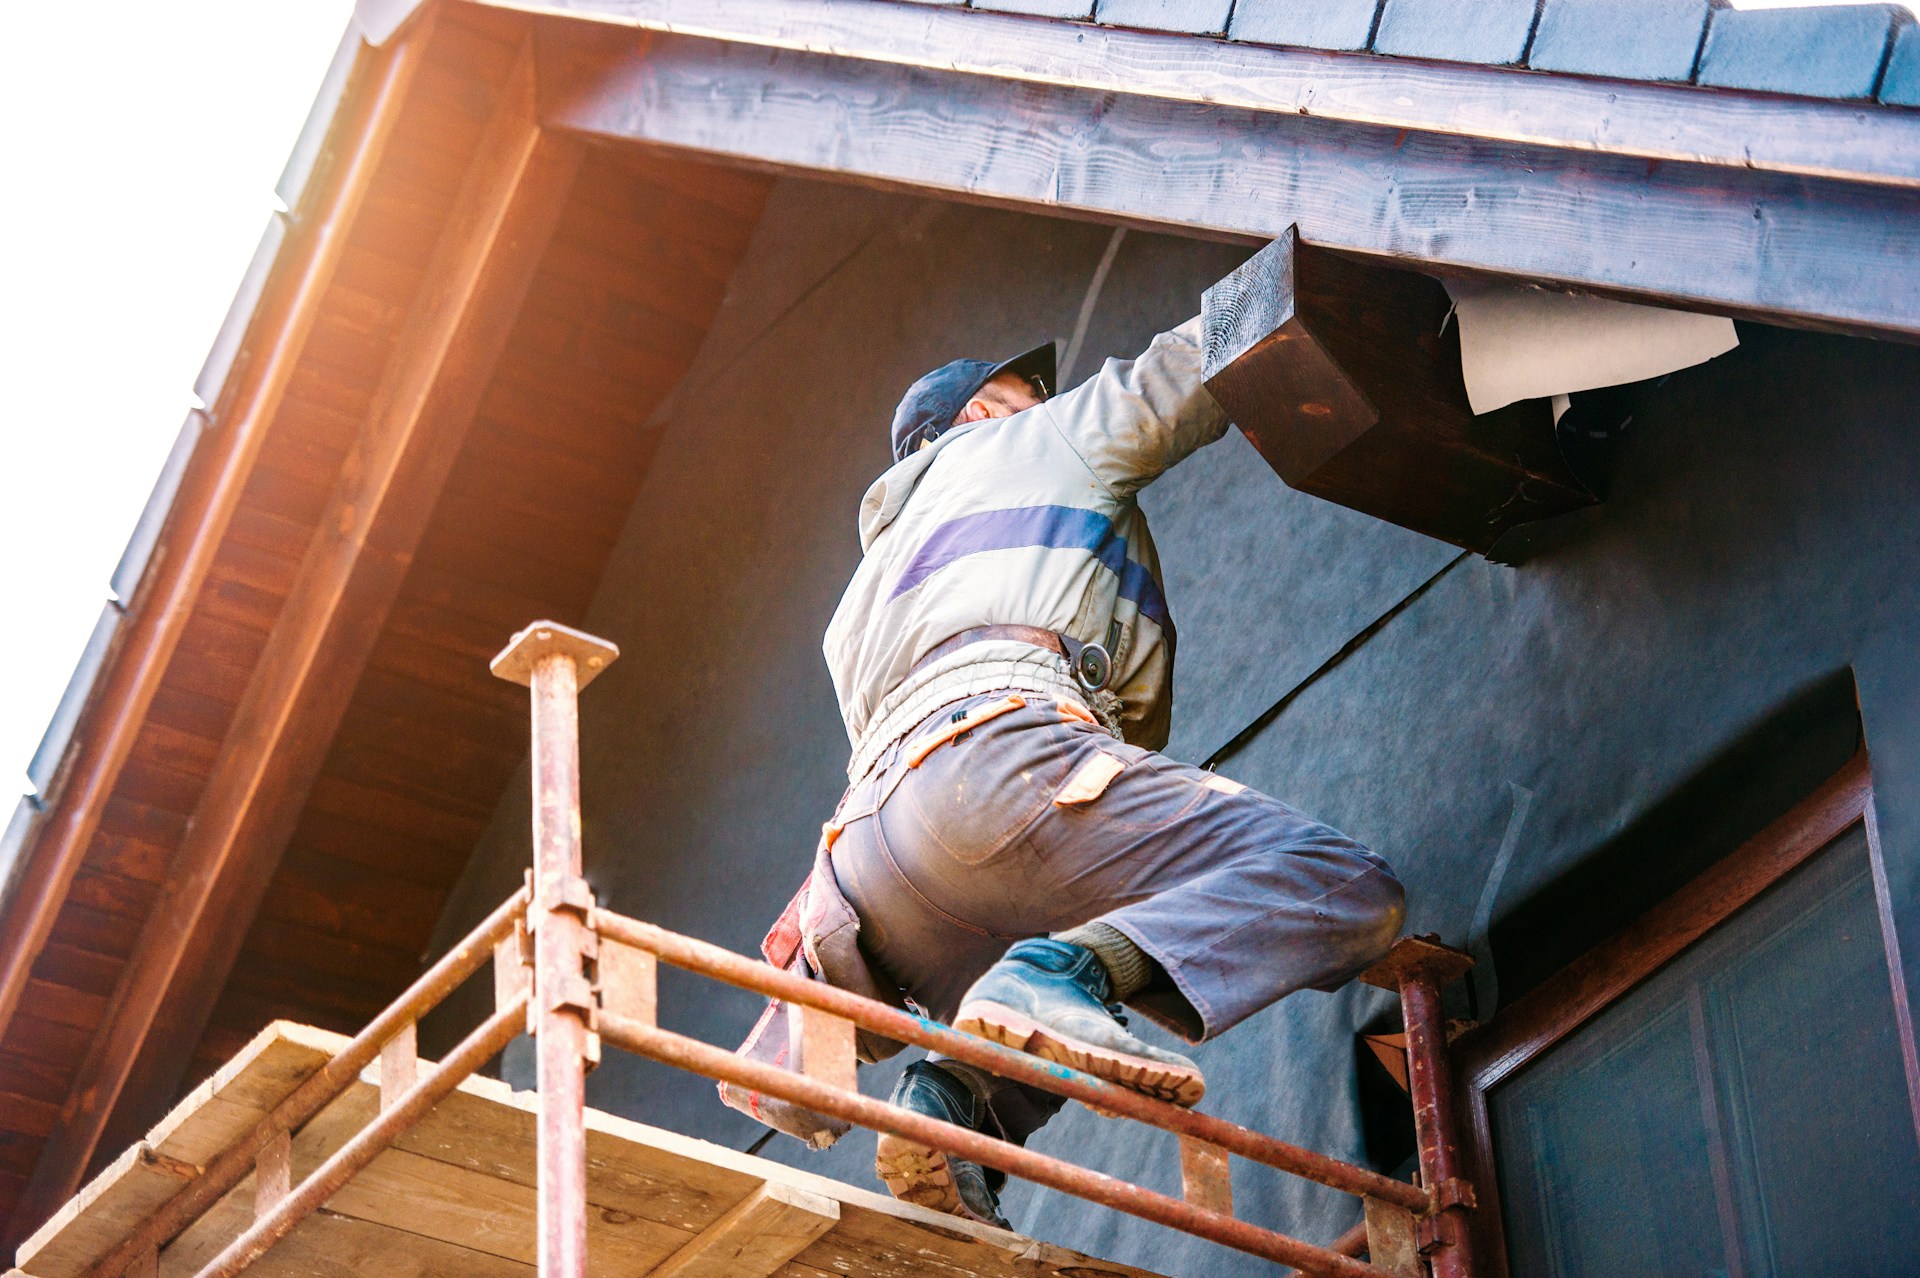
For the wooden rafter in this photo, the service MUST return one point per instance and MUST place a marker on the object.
(1838, 252)
(515, 190)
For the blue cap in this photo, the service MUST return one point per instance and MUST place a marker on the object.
(931, 404)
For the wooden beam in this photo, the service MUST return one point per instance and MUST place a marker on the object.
(1346, 377)
(495, 234)
(756, 1237)
(1819, 253)
(209, 495)
(1665, 123)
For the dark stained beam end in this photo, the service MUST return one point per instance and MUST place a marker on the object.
(1347, 380)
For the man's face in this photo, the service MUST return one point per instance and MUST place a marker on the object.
(1005, 395)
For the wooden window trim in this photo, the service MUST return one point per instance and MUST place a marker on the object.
(1594, 981)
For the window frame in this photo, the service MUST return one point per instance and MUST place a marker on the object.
(1536, 1022)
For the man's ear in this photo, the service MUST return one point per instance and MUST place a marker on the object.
(977, 410)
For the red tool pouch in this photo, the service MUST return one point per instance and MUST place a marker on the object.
(818, 936)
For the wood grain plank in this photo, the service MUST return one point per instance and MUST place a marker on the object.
(28, 1115)
(77, 969)
(366, 906)
(455, 1195)
(62, 1004)
(24, 1076)
(178, 710)
(60, 1046)
(160, 786)
(125, 818)
(758, 1235)
(125, 898)
(93, 930)
(1647, 122)
(163, 745)
(384, 810)
(213, 1116)
(1775, 246)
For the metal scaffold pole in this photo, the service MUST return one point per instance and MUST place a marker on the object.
(555, 662)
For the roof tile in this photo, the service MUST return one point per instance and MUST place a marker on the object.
(1833, 52)
(1626, 39)
(1490, 31)
(1345, 25)
(1195, 17)
(1900, 86)
(1079, 9)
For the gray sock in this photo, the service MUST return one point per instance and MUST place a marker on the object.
(1128, 966)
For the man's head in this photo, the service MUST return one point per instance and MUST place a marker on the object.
(970, 390)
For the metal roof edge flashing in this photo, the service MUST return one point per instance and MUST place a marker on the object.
(13, 843)
(44, 769)
(145, 537)
(227, 343)
(379, 20)
(304, 159)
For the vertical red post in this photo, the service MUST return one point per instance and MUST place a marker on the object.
(1419, 967)
(1430, 1082)
(556, 662)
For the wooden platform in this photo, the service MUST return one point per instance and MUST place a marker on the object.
(455, 1197)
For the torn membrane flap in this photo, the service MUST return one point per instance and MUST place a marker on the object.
(1522, 342)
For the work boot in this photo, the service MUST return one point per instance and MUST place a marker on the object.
(916, 1173)
(1049, 999)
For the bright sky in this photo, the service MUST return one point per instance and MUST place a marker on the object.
(141, 141)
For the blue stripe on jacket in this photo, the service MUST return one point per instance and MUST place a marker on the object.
(1051, 527)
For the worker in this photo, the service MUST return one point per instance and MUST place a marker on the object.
(1021, 860)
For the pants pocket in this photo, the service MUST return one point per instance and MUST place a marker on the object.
(972, 798)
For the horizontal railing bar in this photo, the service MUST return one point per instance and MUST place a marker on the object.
(235, 1163)
(752, 974)
(704, 1058)
(370, 1141)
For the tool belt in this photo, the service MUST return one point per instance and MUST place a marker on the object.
(1091, 663)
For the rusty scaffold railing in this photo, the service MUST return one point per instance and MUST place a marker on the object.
(574, 974)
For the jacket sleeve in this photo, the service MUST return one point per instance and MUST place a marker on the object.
(1135, 418)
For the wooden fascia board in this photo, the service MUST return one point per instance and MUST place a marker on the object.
(1737, 241)
(1664, 123)
(210, 492)
(349, 577)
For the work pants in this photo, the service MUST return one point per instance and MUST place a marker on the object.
(1037, 820)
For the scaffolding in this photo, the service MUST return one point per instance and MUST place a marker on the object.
(577, 975)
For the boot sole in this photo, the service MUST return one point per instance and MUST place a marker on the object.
(998, 1023)
(918, 1174)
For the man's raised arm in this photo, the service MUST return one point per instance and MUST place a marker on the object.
(1135, 418)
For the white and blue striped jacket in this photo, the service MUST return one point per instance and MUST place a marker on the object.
(1023, 520)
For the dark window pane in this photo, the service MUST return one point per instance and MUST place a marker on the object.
(1742, 1112)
